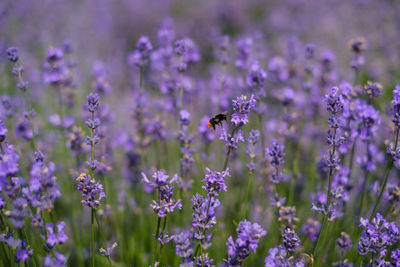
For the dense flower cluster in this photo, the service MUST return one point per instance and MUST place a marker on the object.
(276, 156)
(214, 182)
(92, 191)
(377, 236)
(242, 108)
(249, 235)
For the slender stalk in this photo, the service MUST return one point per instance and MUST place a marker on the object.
(92, 223)
(365, 182)
(181, 85)
(386, 177)
(227, 159)
(163, 232)
(156, 239)
(247, 195)
(325, 222)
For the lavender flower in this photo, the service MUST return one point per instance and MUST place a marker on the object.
(249, 235)
(377, 236)
(165, 204)
(9, 161)
(160, 179)
(55, 237)
(231, 142)
(290, 239)
(140, 56)
(43, 189)
(184, 247)
(256, 76)
(344, 242)
(12, 54)
(372, 89)
(242, 107)
(244, 48)
(59, 260)
(93, 123)
(278, 256)
(214, 182)
(184, 117)
(203, 214)
(276, 153)
(253, 138)
(56, 72)
(92, 191)
(311, 228)
(18, 213)
(23, 254)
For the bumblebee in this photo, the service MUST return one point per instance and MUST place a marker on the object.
(217, 120)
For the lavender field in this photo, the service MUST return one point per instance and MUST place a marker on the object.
(199, 133)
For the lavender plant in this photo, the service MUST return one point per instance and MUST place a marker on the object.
(163, 80)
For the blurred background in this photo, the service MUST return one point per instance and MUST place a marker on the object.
(107, 30)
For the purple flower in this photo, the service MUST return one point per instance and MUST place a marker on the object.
(160, 179)
(56, 73)
(3, 132)
(12, 54)
(279, 256)
(344, 242)
(369, 121)
(201, 220)
(276, 156)
(373, 89)
(244, 48)
(18, 213)
(335, 104)
(43, 189)
(165, 204)
(93, 100)
(310, 51)
(377, 236)
(396, 106)
(232, 141)
(311, 228)
(242, 107)
(184, 246)
(249, 235)
(56, 237)
(140, 56)
(23, 255)
(9, 161)
(214, 182)
(184, 117)
(256, 76)
(75, 140)
(290, 239)
(92, 191)
(59, 260)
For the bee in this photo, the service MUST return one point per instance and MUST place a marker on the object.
(217, 120)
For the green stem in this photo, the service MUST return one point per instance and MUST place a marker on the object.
(325, 223)
(247, 196)
(92, 222)
(163, 232)
(386, 177)
(156, 239)
(365, 182)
